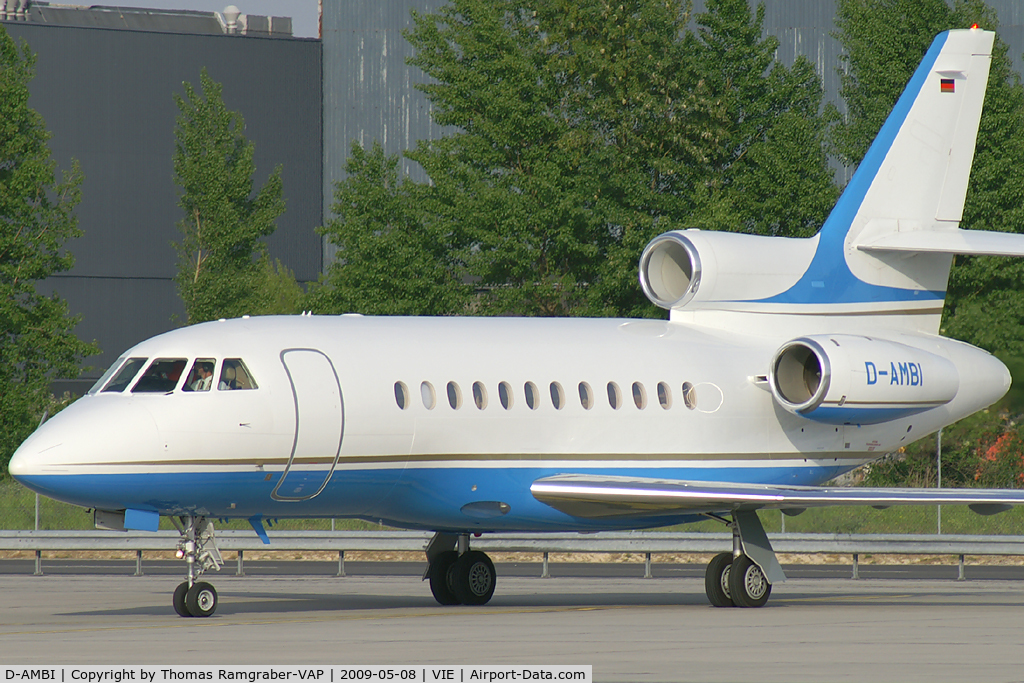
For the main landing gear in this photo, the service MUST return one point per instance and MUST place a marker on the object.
(198, 548)
(458, 575)
(734, 579)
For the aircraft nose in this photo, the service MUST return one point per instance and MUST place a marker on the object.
(89, 437)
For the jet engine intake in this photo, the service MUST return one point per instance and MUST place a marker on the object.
(850, 379)
(693, 268)
(670, 270)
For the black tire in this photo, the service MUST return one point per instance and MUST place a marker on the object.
(442, 578)
(748, 585)
(201, 599)
(179, 600)
(474, 578)
(716, 580)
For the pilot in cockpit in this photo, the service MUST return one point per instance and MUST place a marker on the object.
(201, 377)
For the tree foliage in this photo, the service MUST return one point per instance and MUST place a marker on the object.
(223, 267)
(582, 130)
(390, 262)
(37, 343)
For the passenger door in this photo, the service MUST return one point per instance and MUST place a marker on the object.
(319, 421)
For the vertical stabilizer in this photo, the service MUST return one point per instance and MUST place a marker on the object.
(913, 177)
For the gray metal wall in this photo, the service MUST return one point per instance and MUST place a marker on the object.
(107, 98)
(369, 92)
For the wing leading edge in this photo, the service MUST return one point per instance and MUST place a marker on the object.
(595, 497)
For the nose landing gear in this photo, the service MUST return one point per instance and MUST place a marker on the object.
(198, 548)
(462, 576)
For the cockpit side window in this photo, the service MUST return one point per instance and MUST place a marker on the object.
(201, 376)
(161, 376)
(234, 375)
(125, 375)
(98, 384)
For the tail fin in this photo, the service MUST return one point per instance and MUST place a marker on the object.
(887, 245)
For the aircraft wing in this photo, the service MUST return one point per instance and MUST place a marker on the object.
(594, 496)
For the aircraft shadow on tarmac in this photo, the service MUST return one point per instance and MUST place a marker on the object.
(235, 603)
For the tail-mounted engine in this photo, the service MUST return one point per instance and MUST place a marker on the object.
(848, 379)
(691, 267)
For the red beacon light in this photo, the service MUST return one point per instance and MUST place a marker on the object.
(973, 26)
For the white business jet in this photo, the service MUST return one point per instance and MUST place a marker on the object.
(784, 363)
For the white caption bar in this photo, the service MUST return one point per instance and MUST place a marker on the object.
(412, 673)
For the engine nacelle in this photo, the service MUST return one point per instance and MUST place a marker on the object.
(684, 266)
(849, 379)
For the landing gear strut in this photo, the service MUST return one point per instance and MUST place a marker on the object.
(198, 548)
(735, 579)
(458, 576)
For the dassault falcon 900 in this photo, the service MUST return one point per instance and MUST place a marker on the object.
(784, 363)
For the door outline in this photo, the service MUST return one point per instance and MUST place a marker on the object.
(295, 441)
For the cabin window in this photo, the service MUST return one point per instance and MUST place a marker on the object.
(505, 395)
(689, 395)
(557, 396)
(639, 395)
(586, 396)
(125, 375)
(530, 390)
(664, 395)
(428, 395)
(402, 395)
(454, 396)
(479, 395)
(161, 376)
(200, 378)
(614, 396)
(234, 375)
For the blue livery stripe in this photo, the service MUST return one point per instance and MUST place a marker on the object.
(400, 498)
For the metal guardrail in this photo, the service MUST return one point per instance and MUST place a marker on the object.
(647, 542)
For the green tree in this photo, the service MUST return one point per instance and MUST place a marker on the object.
(223, 266)
(515, 183)
(771, 171)
(586, 128)
(389, 260)
(37, 343)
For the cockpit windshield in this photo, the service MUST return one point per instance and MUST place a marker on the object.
(201, 376)
(98, 384)
(164, 375)
(161, 376)
(125, 375)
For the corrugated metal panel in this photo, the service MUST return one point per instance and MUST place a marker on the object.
(106, 96)
(369, 91)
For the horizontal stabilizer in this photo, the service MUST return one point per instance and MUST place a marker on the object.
(592, 496)
(949, 241)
